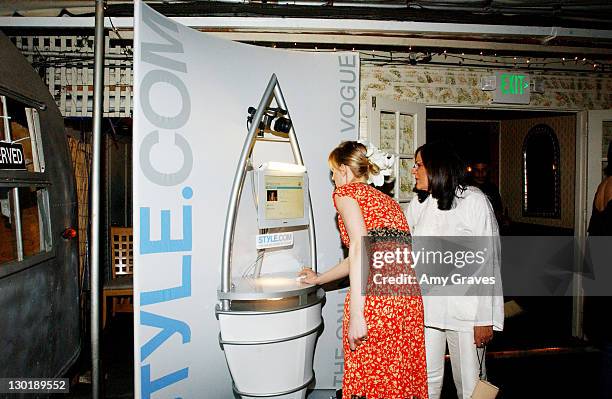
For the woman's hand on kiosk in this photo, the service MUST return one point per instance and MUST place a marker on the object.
(308, 276)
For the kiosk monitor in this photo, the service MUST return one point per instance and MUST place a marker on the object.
(282, 192)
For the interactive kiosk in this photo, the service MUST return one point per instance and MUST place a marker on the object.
(270, 320)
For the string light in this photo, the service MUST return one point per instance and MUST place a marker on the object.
(452, 57)
(492, 60)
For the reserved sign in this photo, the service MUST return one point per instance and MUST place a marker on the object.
(11, 156)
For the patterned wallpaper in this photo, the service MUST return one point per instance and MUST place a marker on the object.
(437, 85)
(512, 134)
(460, 86)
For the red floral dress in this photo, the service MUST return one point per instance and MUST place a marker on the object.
(391, 363)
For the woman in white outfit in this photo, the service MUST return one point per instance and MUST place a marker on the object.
(447, 207)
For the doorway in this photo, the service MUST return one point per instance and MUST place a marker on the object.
(498, 138)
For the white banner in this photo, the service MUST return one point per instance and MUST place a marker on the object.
(192, 92)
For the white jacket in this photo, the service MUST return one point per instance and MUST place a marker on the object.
(471, 215)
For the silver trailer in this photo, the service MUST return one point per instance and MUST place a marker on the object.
(40, 333)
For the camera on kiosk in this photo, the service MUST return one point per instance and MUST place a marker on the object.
(274, 121)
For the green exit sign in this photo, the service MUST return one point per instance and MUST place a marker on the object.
(513, 84)
(511, 88)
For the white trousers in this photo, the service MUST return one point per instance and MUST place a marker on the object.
(464, 360)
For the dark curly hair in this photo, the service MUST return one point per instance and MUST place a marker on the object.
(445, 172)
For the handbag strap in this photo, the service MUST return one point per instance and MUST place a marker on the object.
(481, 360)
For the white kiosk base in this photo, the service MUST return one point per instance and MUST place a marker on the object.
(269, 335)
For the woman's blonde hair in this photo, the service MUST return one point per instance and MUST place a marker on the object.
(353, 155)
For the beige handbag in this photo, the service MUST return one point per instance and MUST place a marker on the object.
(484, 389)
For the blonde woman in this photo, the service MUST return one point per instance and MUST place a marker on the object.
(383, 335)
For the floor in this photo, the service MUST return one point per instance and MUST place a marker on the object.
(117, 353)
(568, 370)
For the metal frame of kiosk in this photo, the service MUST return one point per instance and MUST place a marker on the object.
(283, 318)
(273, 91)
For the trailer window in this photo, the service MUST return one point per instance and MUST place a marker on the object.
(25, 224)
(8, 243)
(21, 124)
(34, 208)
(34, 236)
